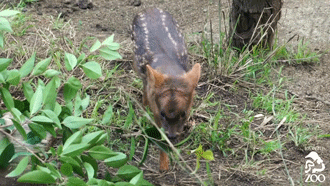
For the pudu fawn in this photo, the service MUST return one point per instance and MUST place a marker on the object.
(161, 61)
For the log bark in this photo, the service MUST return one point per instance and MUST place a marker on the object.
(253, 19)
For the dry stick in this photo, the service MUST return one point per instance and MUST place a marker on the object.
(273, 53)
(164, 136)
(268, 57)
(22, 144)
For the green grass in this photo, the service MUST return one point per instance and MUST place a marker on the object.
(258, 66)
(279, 107)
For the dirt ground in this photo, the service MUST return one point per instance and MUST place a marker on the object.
(309, 83)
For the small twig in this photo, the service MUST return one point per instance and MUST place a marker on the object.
(278, 126)
(21, 144)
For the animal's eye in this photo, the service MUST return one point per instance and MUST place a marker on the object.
(162, 113)
(183, 114)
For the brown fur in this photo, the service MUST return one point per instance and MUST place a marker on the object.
(161, 61)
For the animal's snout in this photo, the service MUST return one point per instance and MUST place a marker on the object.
(173, 138)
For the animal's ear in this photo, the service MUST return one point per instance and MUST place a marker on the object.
(154, 77)
(193, 75)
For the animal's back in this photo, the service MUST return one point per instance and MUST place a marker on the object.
(159, 43)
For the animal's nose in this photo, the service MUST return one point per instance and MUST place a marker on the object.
(172, 137)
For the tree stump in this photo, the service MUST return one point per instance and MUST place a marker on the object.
(255, 22)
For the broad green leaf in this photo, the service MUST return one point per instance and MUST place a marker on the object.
(109, 54)
(53, 151)
(2, 79)
(208, 155)
(58, 81)
(28, 91)
(95, 46)
(37, 176)
(50, 129)
(41, 83)
(74, 83)
(33, 138)
(137, 179)
(51, 115)
(107, 115)
(70, 160)
(41, 66)
(91, 138)
(74, 122)
(16, 113)
(6, 98)
(22, 106)
(50, 94)
(66, 169)
(102, 139)
(57, 109)
(20, 129)
(18, 154)
(74, 138)
(7, 151)
(70, 61)
(199, 151)
(109, 40)
(38, 130)
(27, 67)
(77, 106)
(81, 58)
(91, 161)
(127, 172)
(42, 120)
(89, 169)
(116, 161)
(7, 13)
(51, 73)
(71, 88)
(13, 77)
(92, 69)
(45, 169)
(145, 183)
(85, 102)
(53, 170)
(101, 152)
(36, 101)
(123, 184)
(74, 181)
(4, 63)
(99, 182)
(114, 46)
(5, 25)
(75, 150)
(59, 149)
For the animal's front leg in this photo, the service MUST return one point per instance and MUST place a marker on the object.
(164, 161)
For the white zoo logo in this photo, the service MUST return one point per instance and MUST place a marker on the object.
(315, 169)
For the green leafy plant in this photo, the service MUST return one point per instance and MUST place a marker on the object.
(200, 153)
(41, 109)
(299, 135)
(4, 23)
